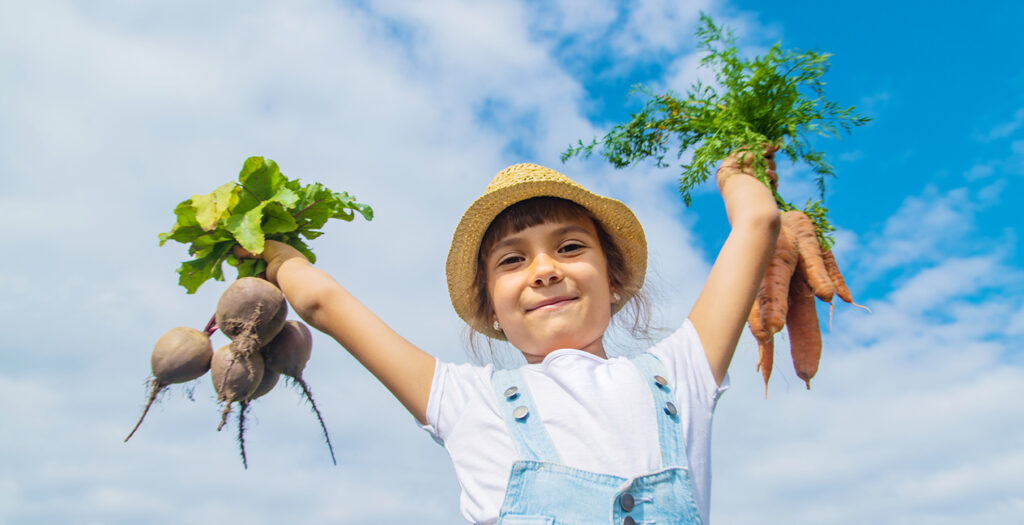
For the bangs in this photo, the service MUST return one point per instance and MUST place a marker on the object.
(528, 213)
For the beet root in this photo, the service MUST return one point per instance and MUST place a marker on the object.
(180, 355)
(290, 350)
(288, 354)
(251, 308)
(235, 376)
(269, 381)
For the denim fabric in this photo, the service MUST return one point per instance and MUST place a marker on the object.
(541, 491)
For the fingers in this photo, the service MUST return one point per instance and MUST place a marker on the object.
(741, 162)
(242, 253)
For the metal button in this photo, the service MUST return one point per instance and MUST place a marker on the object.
(628, 520)
(626, 502)
(670, 408)
(661, 380)
(520, 412)
(512, 392)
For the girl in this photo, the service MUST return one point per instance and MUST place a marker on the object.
(572, 437)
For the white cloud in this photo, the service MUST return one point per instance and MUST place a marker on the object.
(116, 112)
(1004, 129)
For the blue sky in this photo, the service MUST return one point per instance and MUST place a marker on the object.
(115, 111)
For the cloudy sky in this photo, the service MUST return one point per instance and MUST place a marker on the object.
(114, 111)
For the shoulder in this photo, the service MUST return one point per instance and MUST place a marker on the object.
(454, 386)
(686, 364)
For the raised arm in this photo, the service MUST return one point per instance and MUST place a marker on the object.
(722, 308)
(404, 369)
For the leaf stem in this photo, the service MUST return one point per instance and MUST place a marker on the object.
(211, 326)
(303, 210)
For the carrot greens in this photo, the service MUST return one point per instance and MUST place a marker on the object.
(777, 98)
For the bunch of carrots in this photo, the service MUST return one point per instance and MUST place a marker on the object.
(799, 271)
(767, 104)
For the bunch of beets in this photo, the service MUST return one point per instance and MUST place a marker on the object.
(264, 345)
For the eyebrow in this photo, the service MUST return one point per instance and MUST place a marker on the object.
(513, 239)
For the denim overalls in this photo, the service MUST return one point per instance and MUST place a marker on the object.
(541, 491)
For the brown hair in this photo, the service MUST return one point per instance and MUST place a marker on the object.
(539, 210)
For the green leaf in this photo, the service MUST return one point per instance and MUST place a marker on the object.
(246, 229)
(211, 208)
(192, 274)
(261, 177)
(185, 220)
(276, 219)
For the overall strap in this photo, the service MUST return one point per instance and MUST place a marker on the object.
(669, 432)
(521, 416)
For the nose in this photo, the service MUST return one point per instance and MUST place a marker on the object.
(545, 270)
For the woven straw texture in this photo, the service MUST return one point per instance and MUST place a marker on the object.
(524, 181)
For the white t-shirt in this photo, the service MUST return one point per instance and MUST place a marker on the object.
(598, 412)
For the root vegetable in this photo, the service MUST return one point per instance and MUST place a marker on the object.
(804, 332)
(837, 278)
(288, 354)
(235, 378)
(765, 345)
(269, 381)
(809, 250)
(771, 297)
(180, 355)
(252, 310)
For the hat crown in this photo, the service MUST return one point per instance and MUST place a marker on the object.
(526, 172)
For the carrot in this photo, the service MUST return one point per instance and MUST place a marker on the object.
(837, 279)
(804, 333)
(772, 295)
(765, 345)
(811, 265)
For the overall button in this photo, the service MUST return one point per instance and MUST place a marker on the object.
(670, 408)
(628, 520)
(511, 393)
(520, 412)
(661, 381)
(626, 502)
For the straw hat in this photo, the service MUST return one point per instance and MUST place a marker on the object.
(524, 181)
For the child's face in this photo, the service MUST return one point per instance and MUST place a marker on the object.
(550, 289)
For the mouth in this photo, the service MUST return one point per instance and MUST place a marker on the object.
(551, 304)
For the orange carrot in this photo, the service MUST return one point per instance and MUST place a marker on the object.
(804, 333)
(771, 297)
(837, 277)
(811, 265)
(765, 345)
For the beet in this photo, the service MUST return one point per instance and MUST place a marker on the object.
(236, 376)
(180, 355)
(270, 378)
(288, 353)
(253, 310)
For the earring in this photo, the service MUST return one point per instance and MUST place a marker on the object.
(497, 327)
(615, 297)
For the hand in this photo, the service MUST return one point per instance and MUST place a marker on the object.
(740, 162)
(275, 253)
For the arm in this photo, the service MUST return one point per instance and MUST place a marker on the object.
(722, 308)
(318, 299)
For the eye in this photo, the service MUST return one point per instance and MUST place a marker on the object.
(571, 246)
(510, 259)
